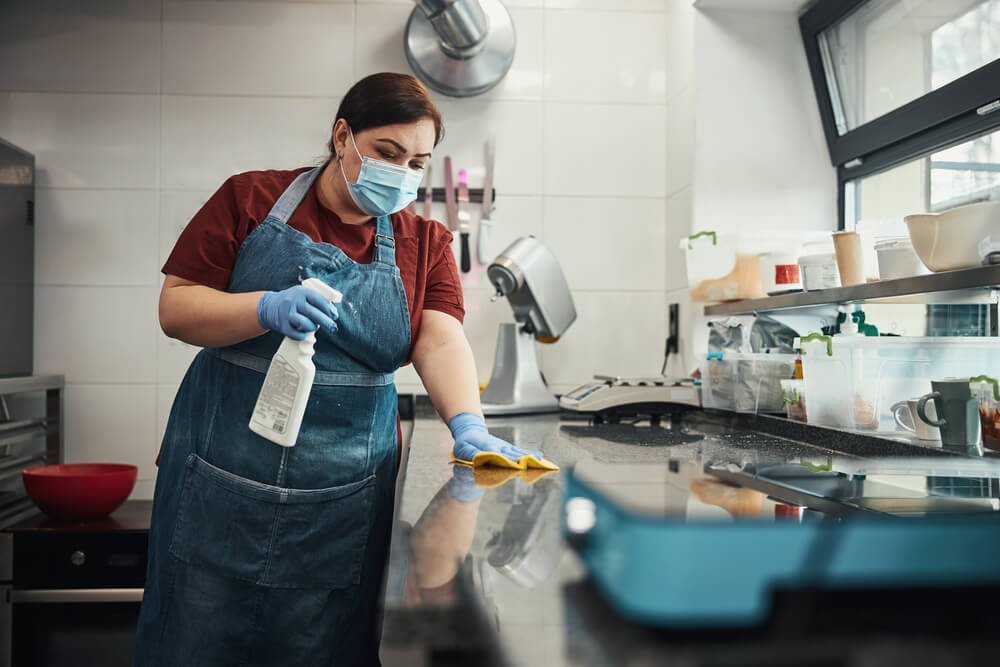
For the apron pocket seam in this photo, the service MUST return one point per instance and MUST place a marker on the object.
(269, 536)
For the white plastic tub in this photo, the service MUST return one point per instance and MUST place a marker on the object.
(852, 381)
(897, 259)
(819, 271)
(720, 268)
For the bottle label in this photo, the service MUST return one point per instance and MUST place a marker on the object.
(277, 396)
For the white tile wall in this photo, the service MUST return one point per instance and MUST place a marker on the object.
(257, 49)
(96, 237)
(762, 160)
(137, 110)
(108, 46)
(86, 140)
(622, 236)
(112, 423)
(206, 139)
(680, 138)
(605, 149)
(624, 65)
(96, 334)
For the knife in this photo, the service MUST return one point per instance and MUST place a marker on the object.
(428, 193)
(449, 196)
(463, 218)
(451, 207)
(485, 221)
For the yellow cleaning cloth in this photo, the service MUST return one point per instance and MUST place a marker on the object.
(501, 461)
(490, 477)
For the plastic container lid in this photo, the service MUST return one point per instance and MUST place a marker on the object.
(989, 246)
(902, 243)
(817, 260)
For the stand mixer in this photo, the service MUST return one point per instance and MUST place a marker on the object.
(528, 274)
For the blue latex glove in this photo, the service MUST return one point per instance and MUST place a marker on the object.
(296, 311)
(462, 485)
(472, 437)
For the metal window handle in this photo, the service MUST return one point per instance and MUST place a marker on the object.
(77, 595)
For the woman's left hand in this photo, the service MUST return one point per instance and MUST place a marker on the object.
(472, 437)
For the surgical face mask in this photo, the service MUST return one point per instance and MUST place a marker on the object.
(382, 187)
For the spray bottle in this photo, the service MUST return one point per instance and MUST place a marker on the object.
(283, 397)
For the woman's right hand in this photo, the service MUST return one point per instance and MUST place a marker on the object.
(296, 311)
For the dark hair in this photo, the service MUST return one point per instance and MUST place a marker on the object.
(387, 98)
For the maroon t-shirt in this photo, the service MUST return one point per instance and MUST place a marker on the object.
(206, 251)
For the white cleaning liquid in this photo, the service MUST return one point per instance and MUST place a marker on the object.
(277, 415)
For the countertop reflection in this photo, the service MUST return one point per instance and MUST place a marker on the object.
(489, 577)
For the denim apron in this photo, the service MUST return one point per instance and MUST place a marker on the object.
(268, 555)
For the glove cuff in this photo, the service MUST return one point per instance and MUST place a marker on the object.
(261, 309)
(463, 421)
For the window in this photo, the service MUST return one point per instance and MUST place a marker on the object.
(909, 94)
(962, 174)
(887, 53)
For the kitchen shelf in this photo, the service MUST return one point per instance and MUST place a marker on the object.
(976, 285)
(48, 418)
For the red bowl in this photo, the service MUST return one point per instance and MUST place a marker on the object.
(80, 490)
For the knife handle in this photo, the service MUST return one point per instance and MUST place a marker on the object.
(466, 261)
(484, 242)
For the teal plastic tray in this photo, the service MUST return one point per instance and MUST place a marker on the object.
(692, 574)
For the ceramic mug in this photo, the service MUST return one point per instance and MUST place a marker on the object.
(957, 414)
(905, 414)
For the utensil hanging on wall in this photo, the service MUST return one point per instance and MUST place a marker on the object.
(451, 206)
(460, 48)
(463, 218)
(428, 192)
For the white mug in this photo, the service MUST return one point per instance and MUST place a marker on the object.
(905, 414)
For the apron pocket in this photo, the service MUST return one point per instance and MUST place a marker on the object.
(272, 536)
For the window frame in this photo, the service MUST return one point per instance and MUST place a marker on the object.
(950, 115)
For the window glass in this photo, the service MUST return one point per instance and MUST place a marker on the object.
(887, 53)
(962, 174)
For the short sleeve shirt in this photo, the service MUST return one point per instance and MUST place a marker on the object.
(206, 251)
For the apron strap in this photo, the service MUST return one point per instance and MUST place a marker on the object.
(385, 242)
(293, 196)
(323, 378)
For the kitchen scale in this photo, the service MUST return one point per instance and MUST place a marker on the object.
(613, 397)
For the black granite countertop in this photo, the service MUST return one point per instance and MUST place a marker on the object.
(490, 580)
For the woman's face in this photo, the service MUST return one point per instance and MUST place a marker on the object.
(406, 144)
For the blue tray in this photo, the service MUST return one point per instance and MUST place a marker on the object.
(692, 574)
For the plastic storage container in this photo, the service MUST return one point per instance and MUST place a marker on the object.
(819, 271)
(988, 391)
(897, 259)
(745, 382)
(722, 267)
(780, 271)
(852, 381)
(793, 392)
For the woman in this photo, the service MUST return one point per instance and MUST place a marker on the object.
(268, 555)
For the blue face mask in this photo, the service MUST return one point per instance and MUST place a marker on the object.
(382, 187)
